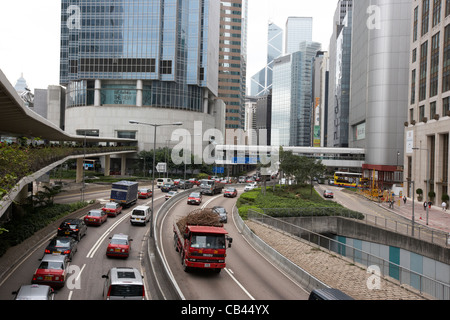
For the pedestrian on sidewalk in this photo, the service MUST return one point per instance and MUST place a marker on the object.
(404, 199)
(444, 206)
(425, 205)
(429, 204)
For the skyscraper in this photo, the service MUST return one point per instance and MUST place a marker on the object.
(152, 60)
(379, 83)
(233, 60)
(340, 59)
(298, 30)
(292, 96)
(427, 126)
(261, 82)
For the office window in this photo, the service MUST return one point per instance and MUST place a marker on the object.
(423, 71)
(445, 106)
(416, 23)
(425, 16)
(413, 86)
(421, 113)
(432, 109)
(434, 68)
(166, 67)
(436, 12)
(446, 61)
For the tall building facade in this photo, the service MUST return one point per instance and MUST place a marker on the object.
(233, 60)
(340, 63)
(320, 99)
(379, 84)
(427, 127)
(298, 29)
(261, 82)
(149, 60)
(292, 97)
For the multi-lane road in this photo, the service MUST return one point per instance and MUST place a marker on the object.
(248, 276)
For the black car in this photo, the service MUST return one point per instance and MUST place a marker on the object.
(62, 245)
(185, 184)
(72, 227)
(222, 212)
(169, 187)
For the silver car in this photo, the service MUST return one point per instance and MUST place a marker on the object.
(123, 284)
(34, 292)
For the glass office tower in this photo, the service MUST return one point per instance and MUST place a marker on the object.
(140, 52)
(298, 29)
(261, 83)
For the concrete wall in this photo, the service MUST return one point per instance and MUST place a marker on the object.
(362, 231)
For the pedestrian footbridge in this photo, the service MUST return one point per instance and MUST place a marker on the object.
(330, 157)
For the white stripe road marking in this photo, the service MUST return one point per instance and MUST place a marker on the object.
(95, 247)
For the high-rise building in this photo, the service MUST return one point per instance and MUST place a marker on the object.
(148, 60)
(340, 58)
(427, 120)
(292, 97)
(298, 30)
(379, 84)
(233, 60)
(320, 99)
(261, 82)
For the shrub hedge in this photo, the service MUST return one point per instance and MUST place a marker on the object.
(21, 228)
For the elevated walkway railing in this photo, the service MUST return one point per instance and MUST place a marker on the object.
(20, 166)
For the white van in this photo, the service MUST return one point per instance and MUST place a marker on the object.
(123, 284)
(162, 181)
(140, 215)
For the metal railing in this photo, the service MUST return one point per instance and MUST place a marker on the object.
(424, 284)
(417, 231)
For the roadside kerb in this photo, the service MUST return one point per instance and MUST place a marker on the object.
(306, 280)
(15, 255)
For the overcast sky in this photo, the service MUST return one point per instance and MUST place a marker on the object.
(30, 29)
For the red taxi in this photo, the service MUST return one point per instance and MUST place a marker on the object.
(112, 209)
(195, 198)
(51, 271)
(95, 217)
(144, 193)
(230, 192)
(119, 246)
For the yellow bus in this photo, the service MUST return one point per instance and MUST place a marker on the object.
(347, 179)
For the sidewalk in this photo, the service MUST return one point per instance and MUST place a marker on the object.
(437, 218)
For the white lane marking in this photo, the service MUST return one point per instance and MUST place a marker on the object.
(95, 247)
(239, 284)
(229, 272)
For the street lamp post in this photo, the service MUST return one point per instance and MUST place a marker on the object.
(154, 125)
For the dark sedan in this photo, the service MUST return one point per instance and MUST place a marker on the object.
(169, 187)
(62, 245)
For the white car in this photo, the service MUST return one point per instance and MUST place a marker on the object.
(249, 187)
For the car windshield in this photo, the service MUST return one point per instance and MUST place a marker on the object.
(55, 265)
(119, 241)
(220, 209)
(195, 195)
(143, 191)
(138, 213)
(69, 226)
(208, 241)
(94, 214)
(110, 206)
(61, 243)
(229, 190)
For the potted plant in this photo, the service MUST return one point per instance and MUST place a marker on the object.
(419, 193)
(431, 195)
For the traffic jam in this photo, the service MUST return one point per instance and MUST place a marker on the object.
(52, 272)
